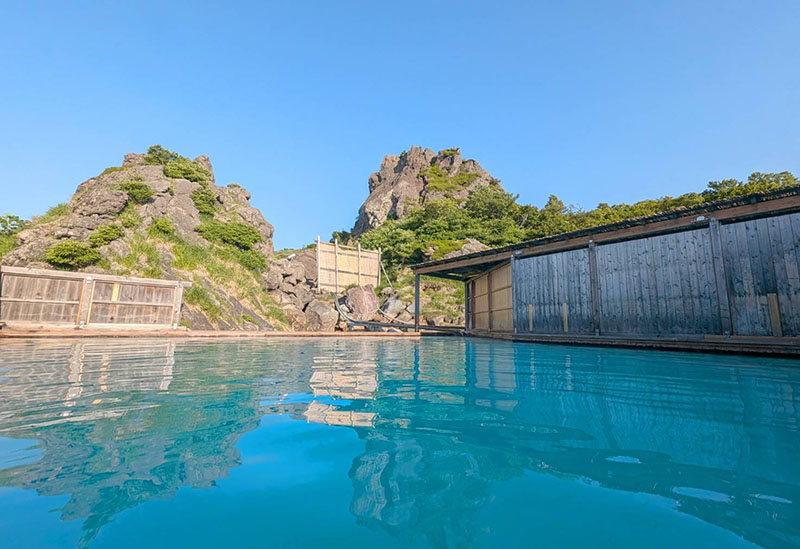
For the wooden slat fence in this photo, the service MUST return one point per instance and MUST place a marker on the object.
(342, 266)
(739, 278)
(62, 299)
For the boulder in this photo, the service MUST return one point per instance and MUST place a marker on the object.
(297, 318)
(362, 301)
(393, 306)
(273, 278)
(133, 159)
(308, 259)
(321, 316)
(294, 272)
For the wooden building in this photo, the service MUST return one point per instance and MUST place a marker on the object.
(59, 299)
(722, 276)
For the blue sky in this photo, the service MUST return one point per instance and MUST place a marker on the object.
(300, 101)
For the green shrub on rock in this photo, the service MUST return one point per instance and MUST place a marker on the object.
(71, 254)
(105, 234)
(138, 191)
(235, 233)
(161, 227)
(183, 168)
(204, 200)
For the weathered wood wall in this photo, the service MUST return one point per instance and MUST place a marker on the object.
(56, 298)
(739, 278)
(490, 295)
(342, 266)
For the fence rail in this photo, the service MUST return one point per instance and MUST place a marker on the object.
(341, 266)
(57, 298)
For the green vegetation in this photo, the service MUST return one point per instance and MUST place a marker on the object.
(53, 213)
(177, 166)
(437, 180)
(183, 168)
(10, 225)
(143, 258)
(161, 228)
(129, 217)
(138, 191)
(448, 152)
(159, 155)
(71, 254)
(200, 297)
(113, 169)
(494, 217)
(105, 234)
(235, 233)
(205, 201)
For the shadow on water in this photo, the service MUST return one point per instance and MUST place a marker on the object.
(444, 422)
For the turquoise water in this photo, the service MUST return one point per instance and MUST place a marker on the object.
(443, 442)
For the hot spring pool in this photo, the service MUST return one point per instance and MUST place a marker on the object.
(442, 442)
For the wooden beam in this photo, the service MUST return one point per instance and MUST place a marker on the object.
(319, 262)
(336, 263)
(416, 303)
(594, 281)
(774, 315)
(720, 277)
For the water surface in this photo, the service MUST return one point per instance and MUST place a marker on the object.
(443, 442)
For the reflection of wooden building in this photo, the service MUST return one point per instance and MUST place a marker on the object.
(724, 276)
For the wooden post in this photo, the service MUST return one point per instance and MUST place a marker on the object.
(594, 283)
(774, 315)
(467, 306)
(319, 263)
(720, 277)
(379, 266)
(564, 316)
(530, 317)
(359, 263)
(85, 306)
(416, 303)
(336, 263)
(489, 301)
(176, 306)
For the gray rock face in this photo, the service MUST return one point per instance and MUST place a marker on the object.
(393, 307)
(405, 181)
(321, 316)
(362, 301)
(308, 259)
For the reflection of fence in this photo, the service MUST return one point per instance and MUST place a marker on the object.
(342, 266)
(56, 298)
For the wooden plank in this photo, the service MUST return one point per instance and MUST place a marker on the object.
(774, 315)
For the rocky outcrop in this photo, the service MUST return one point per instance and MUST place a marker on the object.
(106, 200)
(403, 182)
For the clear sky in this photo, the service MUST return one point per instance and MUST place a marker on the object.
(300, 101)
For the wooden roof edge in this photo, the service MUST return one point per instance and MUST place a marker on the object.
(765, 197)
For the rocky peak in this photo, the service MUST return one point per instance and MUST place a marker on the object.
(406, 181)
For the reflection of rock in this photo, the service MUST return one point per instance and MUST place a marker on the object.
(331, 415)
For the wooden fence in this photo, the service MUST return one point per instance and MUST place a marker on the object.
(341, 266)
(66, 299)
(740, 278)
